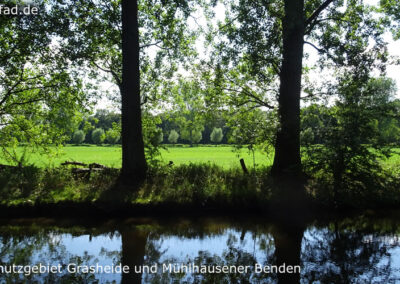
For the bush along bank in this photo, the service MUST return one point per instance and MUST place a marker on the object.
(193, 188)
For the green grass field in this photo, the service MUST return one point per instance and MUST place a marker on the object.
(111, 156)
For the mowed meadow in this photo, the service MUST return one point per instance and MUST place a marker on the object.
(224, 156)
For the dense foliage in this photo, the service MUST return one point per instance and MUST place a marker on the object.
(41, 93)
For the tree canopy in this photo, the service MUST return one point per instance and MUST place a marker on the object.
(41, 93)
(258, 58)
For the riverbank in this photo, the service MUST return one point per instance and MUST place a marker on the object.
(187, 190)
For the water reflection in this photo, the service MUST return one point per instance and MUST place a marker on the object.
(343, 254)
(361, 250)
(133, 254)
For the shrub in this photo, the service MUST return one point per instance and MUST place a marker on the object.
(307, 136)
(196, 136)
(216, 135)
(348, 161)
(173, 137)
(112, 136)
(78, 137)
(98, 136)
(159, 135)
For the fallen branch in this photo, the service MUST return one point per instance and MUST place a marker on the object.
(66, 163)
(97, 166)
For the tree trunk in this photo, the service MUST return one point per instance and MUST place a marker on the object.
(287, 159)
(133, 159)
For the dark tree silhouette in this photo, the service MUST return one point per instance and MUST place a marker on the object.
(133, 252)
(287, 147)
(134, 165)
(288, 249)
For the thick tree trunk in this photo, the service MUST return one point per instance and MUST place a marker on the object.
(133, 159)
(287, 159)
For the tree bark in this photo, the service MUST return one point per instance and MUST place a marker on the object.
(287, 159)
(133, 158)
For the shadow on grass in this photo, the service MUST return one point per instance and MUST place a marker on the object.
(18, 182)
(31, 185)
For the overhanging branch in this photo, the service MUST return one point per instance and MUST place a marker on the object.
(310, 22)
(318, 12)
(320, 50)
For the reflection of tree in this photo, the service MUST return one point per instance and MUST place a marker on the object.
(17, 250)
(341, 255)
(139, 249)
(133, 253)
(235, 254)
(45, 247)
(288, 239)
(332, 253)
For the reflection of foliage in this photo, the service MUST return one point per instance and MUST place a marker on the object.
(17, 251)
(86, 259)
(350, 251)
(234, 255)
(30, 248)
(338, 255)
(114, 255)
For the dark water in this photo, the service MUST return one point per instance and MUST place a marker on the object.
(358, 249)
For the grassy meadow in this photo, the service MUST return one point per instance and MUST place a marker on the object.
(225, 156)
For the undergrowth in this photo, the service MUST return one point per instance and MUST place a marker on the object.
(207, 185)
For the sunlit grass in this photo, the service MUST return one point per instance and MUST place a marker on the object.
(223, 156)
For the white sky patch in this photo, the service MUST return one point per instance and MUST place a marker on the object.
(393, 71)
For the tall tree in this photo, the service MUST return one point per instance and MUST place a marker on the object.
(287, 146)
(133, 160)
(262, 42)
(103, 37)
(189, 101)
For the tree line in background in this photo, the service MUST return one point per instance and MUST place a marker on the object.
(222, 128)
(104, 127)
